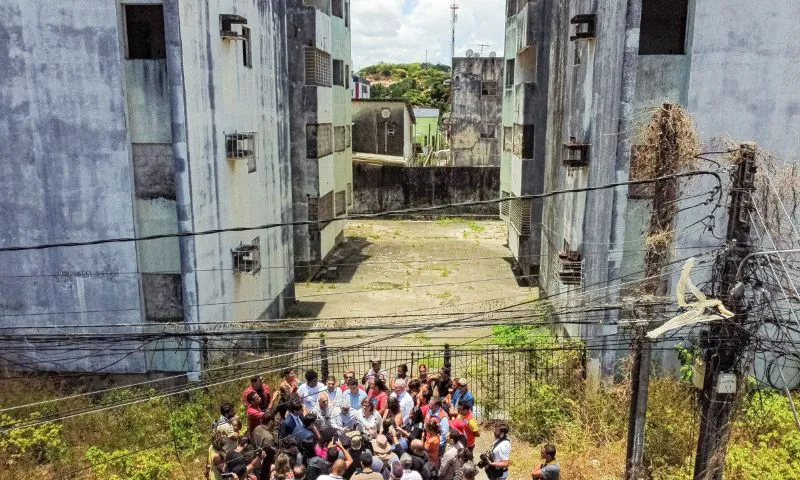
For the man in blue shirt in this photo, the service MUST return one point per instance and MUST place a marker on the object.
(461, 392)
(354, 394)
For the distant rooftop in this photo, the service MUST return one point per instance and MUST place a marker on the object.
(421, 112)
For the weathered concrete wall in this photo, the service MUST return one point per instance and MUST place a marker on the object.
(65, 175)
(380, 188)
(476, 122)
(318, 174)
(222, 96)
(374, 134)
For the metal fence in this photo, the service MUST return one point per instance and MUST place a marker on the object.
(498, 377)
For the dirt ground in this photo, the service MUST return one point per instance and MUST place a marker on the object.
(407, 272)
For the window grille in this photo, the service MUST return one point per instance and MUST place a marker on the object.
(341, 203)
(348, 136)
(318, 67)
(247, 257)
(240, 145)
(504, 205)
(519, 215)
(488, 130)
(488, 89)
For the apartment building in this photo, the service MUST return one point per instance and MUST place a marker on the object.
(320, 69)
(475, 116)
(133, 118)
(581, 78)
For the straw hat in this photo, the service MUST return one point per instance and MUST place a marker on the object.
(381, 447)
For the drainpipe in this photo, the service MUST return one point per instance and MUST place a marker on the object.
(183, 188)
(627, 102)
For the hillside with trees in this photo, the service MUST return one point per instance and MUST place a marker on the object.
(419, 83)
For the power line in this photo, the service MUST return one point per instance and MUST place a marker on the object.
(267, 226)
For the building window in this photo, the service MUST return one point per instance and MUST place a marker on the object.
(527, 65)
(349, 194)
(347, 13)
(348, 136)
(240, 145)
(338, 73)
(347, 77)
(663, 27)
(337, 8)
(247, 257)
(325, 208)
(341, 203)
(523, 141)
(318, 67)
(510, 65)
(488, 130)
(144, 28)
(488, 89)
(511, 8)
(247, 52)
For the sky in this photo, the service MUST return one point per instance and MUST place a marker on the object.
(400, 31)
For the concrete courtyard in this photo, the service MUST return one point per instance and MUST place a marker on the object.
(421, 272)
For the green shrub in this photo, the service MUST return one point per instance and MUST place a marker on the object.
(546, 409)
(151, 464)
(41, 443)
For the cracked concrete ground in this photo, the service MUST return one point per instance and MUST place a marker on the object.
(424, 271)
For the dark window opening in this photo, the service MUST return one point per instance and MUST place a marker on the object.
(489, 88)
(510, 64)
(144, 27)
(347, 14)
(247, 52)
(337, 8)
(663, 27)
(347, 77)
(488, 130)
(338, 73)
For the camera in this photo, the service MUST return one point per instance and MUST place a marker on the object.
(485, 460)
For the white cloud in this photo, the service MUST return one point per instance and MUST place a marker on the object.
(382, 32)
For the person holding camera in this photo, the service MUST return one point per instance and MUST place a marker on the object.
(550, 469)
(495, 462)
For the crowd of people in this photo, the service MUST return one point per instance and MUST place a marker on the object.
(422, 428)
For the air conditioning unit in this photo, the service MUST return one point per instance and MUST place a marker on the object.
(226, 23)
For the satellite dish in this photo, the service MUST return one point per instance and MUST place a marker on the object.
(492, 54)
(469, 53)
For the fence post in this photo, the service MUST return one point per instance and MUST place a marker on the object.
(447, 355)
(410, 369)
(323, 352)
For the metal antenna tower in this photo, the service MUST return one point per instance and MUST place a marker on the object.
(483, 45)
(453, 19)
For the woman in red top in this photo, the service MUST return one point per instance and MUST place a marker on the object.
(379, 394)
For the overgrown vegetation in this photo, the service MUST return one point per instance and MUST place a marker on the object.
(419, 84)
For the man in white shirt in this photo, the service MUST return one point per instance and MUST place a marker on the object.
(324, 411)
(343, 418)
(404, 398)
(308, 391)
(408, 473)
(332, 390)
(501, 453)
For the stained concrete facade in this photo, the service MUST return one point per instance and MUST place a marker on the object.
(320, 91)
(117, 122)
(726, 63)
(475, 118)
(383, 127)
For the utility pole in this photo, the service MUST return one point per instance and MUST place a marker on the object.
(665, 161)
(726, 341)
